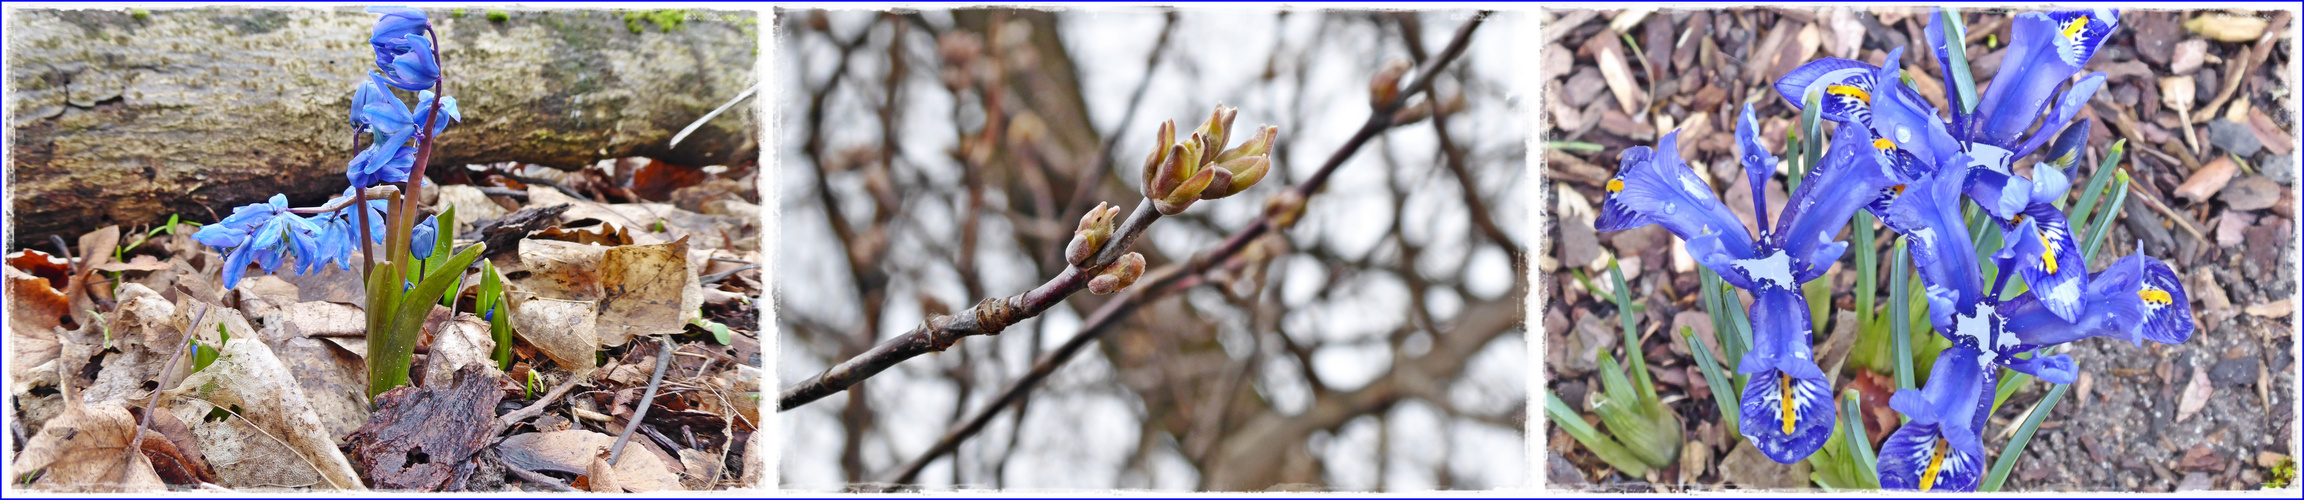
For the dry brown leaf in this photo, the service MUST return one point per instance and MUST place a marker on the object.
(462, 342)
(557, 270)
(81, 451)
(564, 330)
(605, 234)
(138, 263)
(2224, 27)
(600, 477)
(572, 452)
(1629, 96)
(95, 250)
(425, 438)
(34, 305)
(2195, 396)
(328, 369)
(246, 375)
(646, 289)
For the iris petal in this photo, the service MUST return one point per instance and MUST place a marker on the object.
(1783, 375)
(2114, 306)
(1846, 86)
(1848, 177)
(2167, 310)
(1653, 186)
(1929, 215)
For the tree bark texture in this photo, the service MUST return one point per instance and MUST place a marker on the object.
(121, 117)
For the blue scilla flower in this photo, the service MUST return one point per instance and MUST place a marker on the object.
(340, 231)
(424, 236)
(1787, 405)
(262, 233)
(402, 52)
(394, 125)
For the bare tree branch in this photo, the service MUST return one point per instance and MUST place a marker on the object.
(1170, 279)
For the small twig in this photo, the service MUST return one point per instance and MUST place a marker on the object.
(708, 116)
(716, 277)
(663, 362)
(540, 479)
(505, 192)
(2182, 222)
(537, 408)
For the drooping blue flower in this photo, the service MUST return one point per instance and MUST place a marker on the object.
(395, 126)
(1940, 449)
(424, 236)
(403, 53)
(396, 22)
(340, 231)
(1858, 93)
(260, 233)
(1787, 405)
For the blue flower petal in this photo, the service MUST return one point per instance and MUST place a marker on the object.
(1929, 215)
(1653, 186)
(1849, 176)
(423, 237)
(2052, 264)
(2043, 52)
(1784, 376)
(2167, 310)
(2114, 306)
(1846, 86)
(1922, 457)
(411, 65)
(2054, 369)
(2066, 106)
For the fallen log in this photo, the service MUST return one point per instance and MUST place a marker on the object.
(125, 116)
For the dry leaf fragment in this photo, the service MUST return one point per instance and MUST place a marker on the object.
(2224, 27)
(80, 451)
(572, 452)
(2195, 395)
(1629, 96)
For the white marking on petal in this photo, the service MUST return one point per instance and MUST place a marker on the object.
(1774, 270)
(1697, 189)
(1990, 156)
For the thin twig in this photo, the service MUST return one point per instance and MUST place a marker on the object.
(1191, 273)
(537, 408)
(152, 404)
(540, 479)
(2149, 200)
(989, 317)
(647, 399)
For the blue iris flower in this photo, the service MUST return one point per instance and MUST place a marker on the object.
(1787, 405)
(1941, 448)
(1985, 144)
(402, 52)
(2044, 51)
(2137, 298)
(261, 233)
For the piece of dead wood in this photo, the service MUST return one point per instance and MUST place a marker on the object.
(424, 438)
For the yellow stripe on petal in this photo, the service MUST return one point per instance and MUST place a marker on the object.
(2048, 254)
(1935, 466)
(1615, 185)
(2073, 29)
(1850, 91)
(2159, 297)
(1784, 393)
(1883, 144)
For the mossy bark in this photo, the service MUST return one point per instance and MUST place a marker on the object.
(121, 117)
